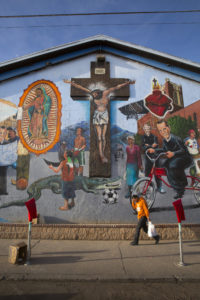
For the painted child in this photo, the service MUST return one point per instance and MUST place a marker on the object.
(67, 176)
(79, 153)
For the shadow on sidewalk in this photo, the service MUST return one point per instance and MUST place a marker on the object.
(72, 252)
(42, 260)
(54, 258)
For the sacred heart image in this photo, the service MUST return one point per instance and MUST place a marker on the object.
(39, 124)
(158, 103)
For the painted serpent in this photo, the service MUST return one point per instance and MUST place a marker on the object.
(53, 183)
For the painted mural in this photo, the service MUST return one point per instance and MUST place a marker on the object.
(39, 124)
(81, 155)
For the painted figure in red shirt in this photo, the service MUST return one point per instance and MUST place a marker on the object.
(67, 175)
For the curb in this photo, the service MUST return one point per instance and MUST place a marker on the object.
(175, 279)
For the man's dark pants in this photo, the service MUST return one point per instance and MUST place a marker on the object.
(176, 172)
(142, 224)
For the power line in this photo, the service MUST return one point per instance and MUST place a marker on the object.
(103, 13)
(89, 25)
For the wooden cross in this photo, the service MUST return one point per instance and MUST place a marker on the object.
(154, 81)
(101, 89)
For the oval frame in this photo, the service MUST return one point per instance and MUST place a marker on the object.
(55, 96)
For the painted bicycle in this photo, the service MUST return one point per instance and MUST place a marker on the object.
(147, 187)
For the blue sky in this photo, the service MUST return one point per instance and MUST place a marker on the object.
(175, 34)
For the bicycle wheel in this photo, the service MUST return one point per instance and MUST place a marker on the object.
(145, 188)
(197, 192)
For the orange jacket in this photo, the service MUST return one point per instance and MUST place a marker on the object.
(141, 207)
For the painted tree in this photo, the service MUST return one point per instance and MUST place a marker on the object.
(180, 126)
(138, 139)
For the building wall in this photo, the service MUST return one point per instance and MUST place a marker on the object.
(192, 111)
(90, 203)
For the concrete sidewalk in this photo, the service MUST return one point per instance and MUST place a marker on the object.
(103, 260)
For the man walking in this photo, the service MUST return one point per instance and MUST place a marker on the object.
(140, 205)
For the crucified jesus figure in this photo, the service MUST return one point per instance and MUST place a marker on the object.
(100, 117)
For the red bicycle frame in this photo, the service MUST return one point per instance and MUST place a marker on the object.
(159, 172)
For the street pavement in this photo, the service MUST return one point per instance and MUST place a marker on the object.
(103, 260)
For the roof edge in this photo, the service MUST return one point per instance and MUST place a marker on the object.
(99, 38)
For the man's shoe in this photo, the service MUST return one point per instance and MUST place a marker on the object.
(179, 195)
(157, 239)
(133, 244)
(3, 193)
(128, 195)
(161, 190)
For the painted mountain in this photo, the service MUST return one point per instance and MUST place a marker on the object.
(119, 136)
(68, 134)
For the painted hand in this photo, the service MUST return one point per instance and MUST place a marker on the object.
(151, 150)
(131, 81)
(169, 154)
(154, 145)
